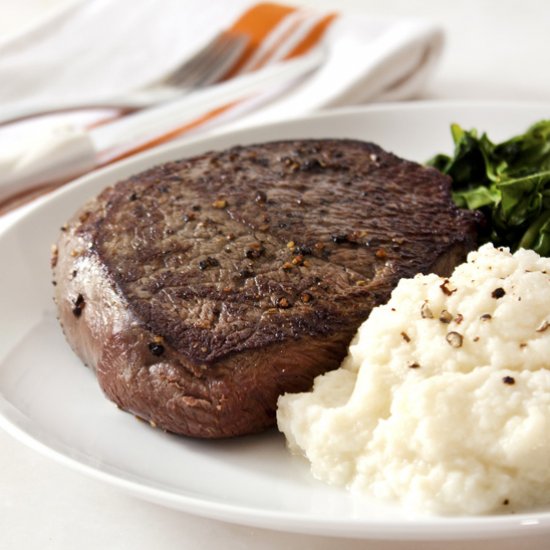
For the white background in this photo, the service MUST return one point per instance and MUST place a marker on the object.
(496, 50)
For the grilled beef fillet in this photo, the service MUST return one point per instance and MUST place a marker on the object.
(201, 290)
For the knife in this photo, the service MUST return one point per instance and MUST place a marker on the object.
(65, 152)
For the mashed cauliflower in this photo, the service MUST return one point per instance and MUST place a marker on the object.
(443, 402)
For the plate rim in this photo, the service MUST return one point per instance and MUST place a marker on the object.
(429, 528)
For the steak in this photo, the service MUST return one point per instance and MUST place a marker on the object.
(201, 290)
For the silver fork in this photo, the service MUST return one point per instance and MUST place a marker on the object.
(210, 64)
(206, 67)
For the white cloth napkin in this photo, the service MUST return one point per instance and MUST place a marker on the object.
(103, 48)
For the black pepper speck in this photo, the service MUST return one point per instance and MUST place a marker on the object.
(156, 348)
(498, 293)
(445, 317)
(208, 262)
(339, 239)
(79, 304)
(454, 339)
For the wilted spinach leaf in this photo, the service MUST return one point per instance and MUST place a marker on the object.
(509, 182)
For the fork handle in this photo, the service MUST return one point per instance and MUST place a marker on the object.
(131, 101)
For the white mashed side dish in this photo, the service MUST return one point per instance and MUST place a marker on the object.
(443, 402)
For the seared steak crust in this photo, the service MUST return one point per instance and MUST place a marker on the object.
(202, 289)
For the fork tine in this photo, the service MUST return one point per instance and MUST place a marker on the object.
(191, 71)
(210, 63)
(233, 48)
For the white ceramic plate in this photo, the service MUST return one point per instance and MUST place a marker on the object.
(51, 402)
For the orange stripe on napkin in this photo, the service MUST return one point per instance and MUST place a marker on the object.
(262, 61)
(168, 136)
(313, 37)
(256, 23)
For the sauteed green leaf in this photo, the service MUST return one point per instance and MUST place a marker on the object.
(509, 182)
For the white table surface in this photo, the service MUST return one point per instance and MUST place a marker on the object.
(496, 50)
